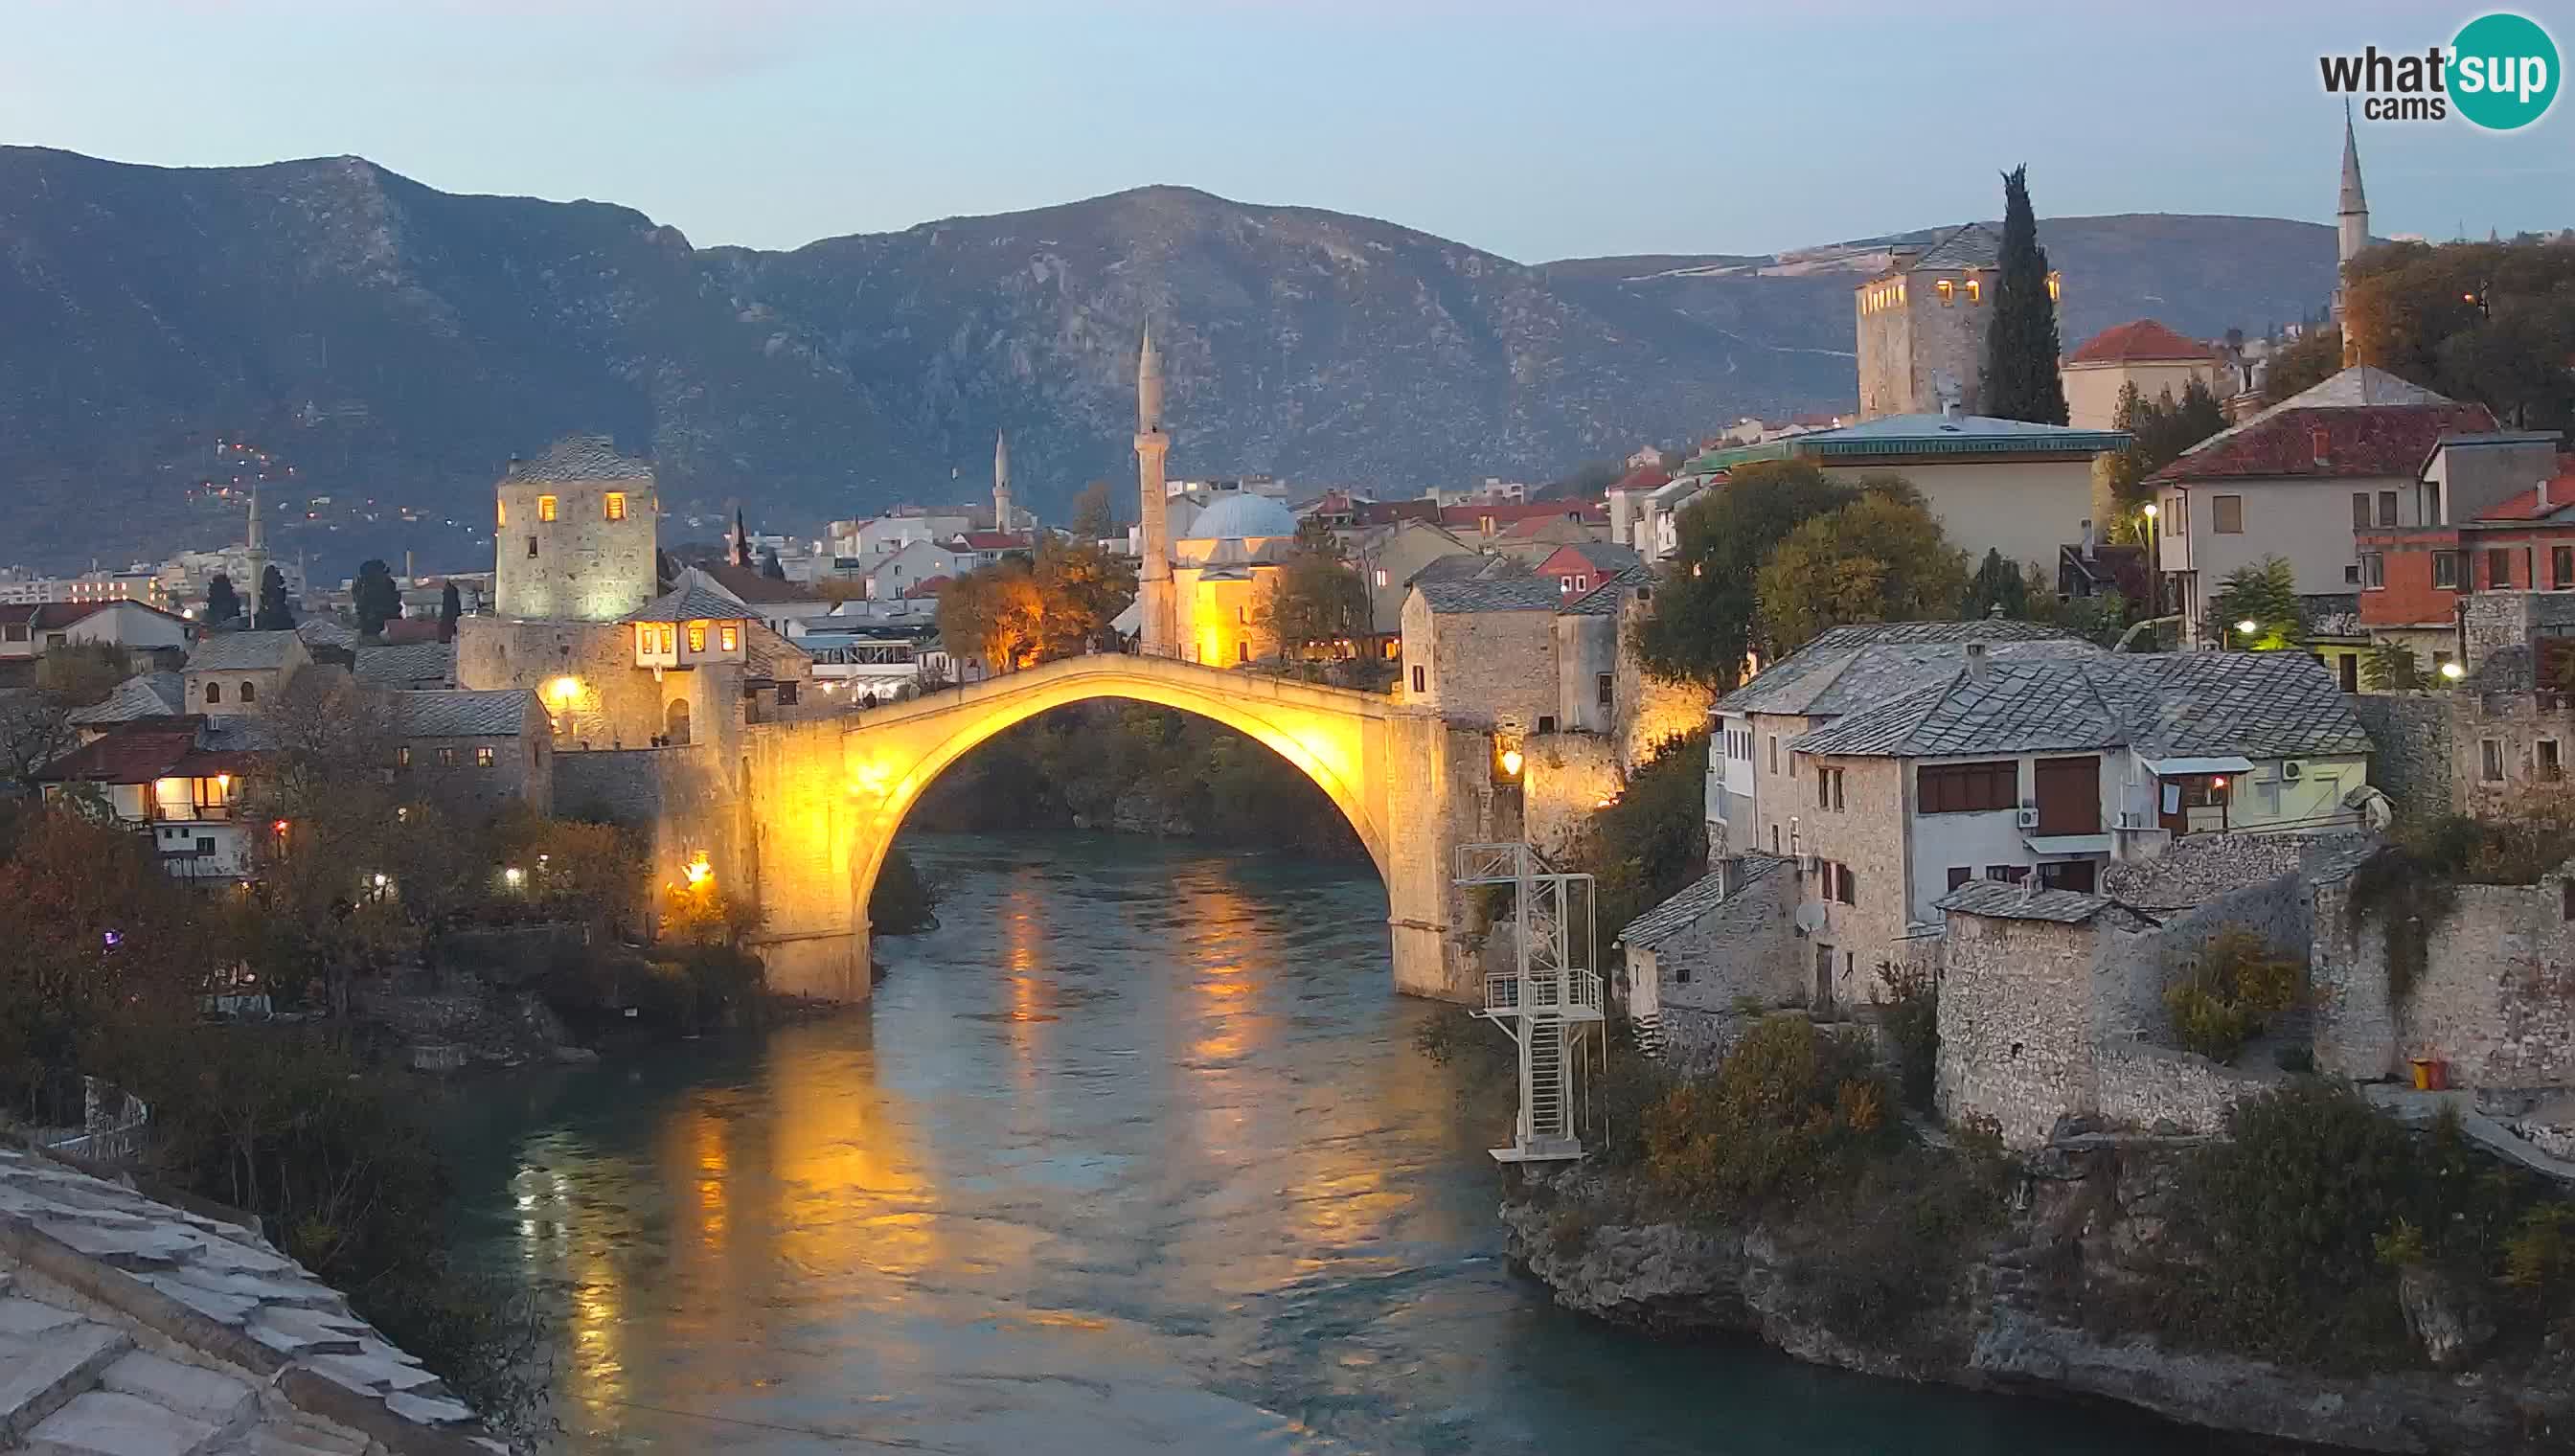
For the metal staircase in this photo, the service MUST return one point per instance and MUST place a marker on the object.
(1551, 1000)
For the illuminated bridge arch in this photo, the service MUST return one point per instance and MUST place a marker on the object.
(826, 799)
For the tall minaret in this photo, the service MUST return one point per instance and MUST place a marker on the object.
(1160, 626)
(2351, 234)
(1002, 515)
(254, 560)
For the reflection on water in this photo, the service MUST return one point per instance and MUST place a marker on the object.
(1133, 1154)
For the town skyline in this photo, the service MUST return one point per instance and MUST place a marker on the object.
(799, 123)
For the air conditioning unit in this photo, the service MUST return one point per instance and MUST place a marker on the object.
(2028, 818)
(2291, 770)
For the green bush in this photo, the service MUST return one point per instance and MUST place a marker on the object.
(1892, 1247)
(2233, 991)
(1909, 1010)
(1779, 1120)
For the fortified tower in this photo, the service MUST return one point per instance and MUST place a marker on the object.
(575, 533)
(2351, 235)
(1159, 629)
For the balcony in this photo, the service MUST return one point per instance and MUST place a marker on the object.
(1572, 994)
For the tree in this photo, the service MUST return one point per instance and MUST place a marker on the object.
(2392, 666)
(1999, 589)
(1314, 598)
(1080, 589)
(2023, 346)
(223, 604)
(1879, 558)
(2161, 431)
(1095, 513)
(2316, 355)
(993, 615)
(35, 728)
(376, 597)
(2491, 322)
(451, 607)
(2264, 594)
(1703, 624)
(275, 613)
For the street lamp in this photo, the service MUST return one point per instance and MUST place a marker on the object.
(2452, 672)
(2154, 565)
(1512, 761)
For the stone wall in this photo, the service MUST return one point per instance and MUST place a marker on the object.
(680, 797)
(2017, 1041)
(2515, 724)
(1650, 709)
(1485, 667)
(2495, 998)
(580, 565)
(1858, 834)
(1747, 946)
(2409, 734)
(1566, 778)
(2159, 1089)
(2136, 971)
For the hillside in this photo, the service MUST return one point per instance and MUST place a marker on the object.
(395, 345)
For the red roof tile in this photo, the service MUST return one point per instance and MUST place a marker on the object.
(1386, 513)
(2357, 440)
(410, 630)
(136, 753)
(990, 541)
(1512, 513)
(2526, 504)
(2139, 339)
(925, 586)
(748, 586)
(1644, 478)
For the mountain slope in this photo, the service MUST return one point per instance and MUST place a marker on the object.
(396, 344)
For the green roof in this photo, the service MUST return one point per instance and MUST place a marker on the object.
(1964, 436)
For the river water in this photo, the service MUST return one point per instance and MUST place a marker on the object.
(1134, 1154)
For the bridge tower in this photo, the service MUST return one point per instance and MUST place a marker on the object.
(1551, 1001)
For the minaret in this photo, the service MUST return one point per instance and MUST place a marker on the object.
(1002, 515)
(254, 560)
(2351, 234)
(1161, 627)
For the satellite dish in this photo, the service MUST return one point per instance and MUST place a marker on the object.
(1809, 917)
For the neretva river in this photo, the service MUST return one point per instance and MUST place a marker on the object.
(1134, 1154)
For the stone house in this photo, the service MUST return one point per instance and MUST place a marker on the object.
(233, 672)
(1578, 567)
(2031, 769)
(576, 531)
(1725, 938)
(474, 750)
(2301, 480)
(1921, 320)
(179, 780)
(1484, 651)
(1388, 557)
(904, 567)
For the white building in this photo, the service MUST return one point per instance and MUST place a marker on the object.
(31, 632)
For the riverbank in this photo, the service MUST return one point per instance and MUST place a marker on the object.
(2043, 1298)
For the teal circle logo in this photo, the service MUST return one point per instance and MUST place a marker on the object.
(2503, 72)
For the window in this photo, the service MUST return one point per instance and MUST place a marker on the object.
(2445, 569)
(1829, 789)
(1242, 617)
(402, 755)
(483, 758)
(1774, 752)
(544, 507)
(1604, 689)
(2550, 766)
(1546, 723)
(1975, 291)
(1380, 577)
(205, 844)
(2561, 567)
(1242, 651)
(2229, 515)
(2498, 569)
(2387, 508)
(1774, 839)
(17, 632)
(249, 692)
(446, 758)
(615, 506)
(1968, 788)
(1845, 885)
(697, 637)
(532, 545)
(1418, 674)
(1681, 971)
(500, 514)
(2373, 570)
(2360, 519)
(1948, 292)
(787, 695)
(2004, 873)
(731, 635)
(1959, 875)
(2490, 760)
(213, 693)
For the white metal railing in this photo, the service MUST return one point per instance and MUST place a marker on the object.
(1573, 993)
(112, 1125)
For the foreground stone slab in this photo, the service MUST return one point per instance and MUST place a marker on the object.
(40, 1373)
(217, 1399)
(104, 1423)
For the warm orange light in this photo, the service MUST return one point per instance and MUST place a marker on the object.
(2218, 783)
(699, 870)
(563, 689)
(1512, 761)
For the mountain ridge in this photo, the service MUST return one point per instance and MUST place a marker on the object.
(398, 343)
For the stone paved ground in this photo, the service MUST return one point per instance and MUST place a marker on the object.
(129, 1327)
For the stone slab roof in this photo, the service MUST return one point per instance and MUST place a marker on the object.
(404, 665)
(1605, 599)
(127, 1324)
(229, 651)
(1694, 900)
(144, 694)
(690, 602)
(322, 632)
(1495, 594)
(1850, 667)
(463, 712)
(2162, 704)
(1992, 897)
(579, 458)
(1968, 246)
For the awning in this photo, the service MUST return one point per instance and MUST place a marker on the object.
(2068, 843)
(2185, 768)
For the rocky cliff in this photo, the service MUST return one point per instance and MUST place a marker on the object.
(2083, 1230)
(393, 345)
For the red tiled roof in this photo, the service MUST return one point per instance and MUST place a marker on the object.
(410, 630)
(2358, 440)
(925, 586)
(136, 753)
(1386, 513)
(1644, 478)
(2526, 506)
(1510, 513)
(986, 541)
(2139, 339)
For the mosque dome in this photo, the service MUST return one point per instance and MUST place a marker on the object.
(1243, 516)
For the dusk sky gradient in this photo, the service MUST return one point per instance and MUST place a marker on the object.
(1538, 131)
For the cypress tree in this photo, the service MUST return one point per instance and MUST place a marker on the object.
(276, 614)
(2022, 344)
(450, 607)
(223, 604)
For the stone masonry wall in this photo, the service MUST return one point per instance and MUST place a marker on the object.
(1747, 946)
(2409, 734)
(1866, 833)
(2495, 999)
(2156, 1088)
(2017, 1041)
(1565, 777)
(1483, 666)
(2136, 971)
(2516, 724)
(680, 797)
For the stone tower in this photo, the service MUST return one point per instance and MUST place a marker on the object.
(1004, 516)
(254, 560)
(2351, 234)
(576, 533)
(1160, 628)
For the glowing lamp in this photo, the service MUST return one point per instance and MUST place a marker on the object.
(513, 876)
(2248, 625)
(2151, 511)
(380, 881)
(1512, 761)
(279, 827)
(699, 870)
(2218, 783)
(563, 689)
(2454, 672)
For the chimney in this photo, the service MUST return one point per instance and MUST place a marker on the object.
(1977, 667)
(2543, 495)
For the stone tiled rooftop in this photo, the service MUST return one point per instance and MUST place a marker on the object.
(406, 665)
(462, 713)
(2024, 902)
(1503, 593)
(232, 650)
(129, 1327)
(581, 458)
(1851, 668)
(1706, 894)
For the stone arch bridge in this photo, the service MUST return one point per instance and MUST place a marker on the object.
(817, 802)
